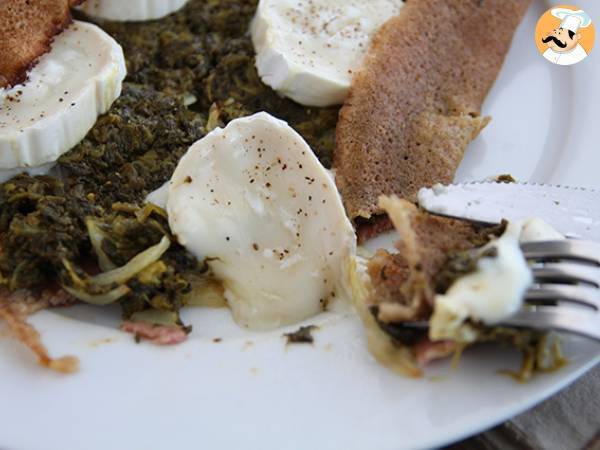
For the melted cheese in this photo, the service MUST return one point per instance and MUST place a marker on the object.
(495, 290)
(490, 294)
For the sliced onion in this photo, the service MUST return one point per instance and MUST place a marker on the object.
(138, 263)
(75, 278)
(143, 214)
(213, 118)
(100, 299)
(96, 238)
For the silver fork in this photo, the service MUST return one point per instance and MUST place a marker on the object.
(566, 296)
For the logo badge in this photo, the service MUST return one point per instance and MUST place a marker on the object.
(565, 35)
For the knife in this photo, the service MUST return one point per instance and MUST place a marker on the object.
(574, 212)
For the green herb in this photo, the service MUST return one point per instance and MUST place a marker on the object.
(301, 336)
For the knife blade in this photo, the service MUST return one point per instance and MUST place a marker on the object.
(575, 212)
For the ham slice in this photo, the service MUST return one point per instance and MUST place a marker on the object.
(157, 334)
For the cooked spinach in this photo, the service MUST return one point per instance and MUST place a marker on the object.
(204, 54)
(188, 72)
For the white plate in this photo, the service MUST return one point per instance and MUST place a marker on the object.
(251, 391)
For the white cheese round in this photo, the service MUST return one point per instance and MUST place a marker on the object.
(63, 96)
(255, 200)
(308, 50)
(131, 10)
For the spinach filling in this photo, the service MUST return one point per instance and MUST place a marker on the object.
(187, 73)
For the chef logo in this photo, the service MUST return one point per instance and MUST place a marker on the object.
(565, 35)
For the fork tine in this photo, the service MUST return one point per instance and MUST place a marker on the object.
(571, 249)
(570, 320)
(567, 273)
(583, 295)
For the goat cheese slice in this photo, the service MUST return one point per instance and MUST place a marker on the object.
(64, 94)
(308, 50)
(131, 10)
(254, 200)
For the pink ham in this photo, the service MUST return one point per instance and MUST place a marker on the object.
(427, 351)
(157, 334)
